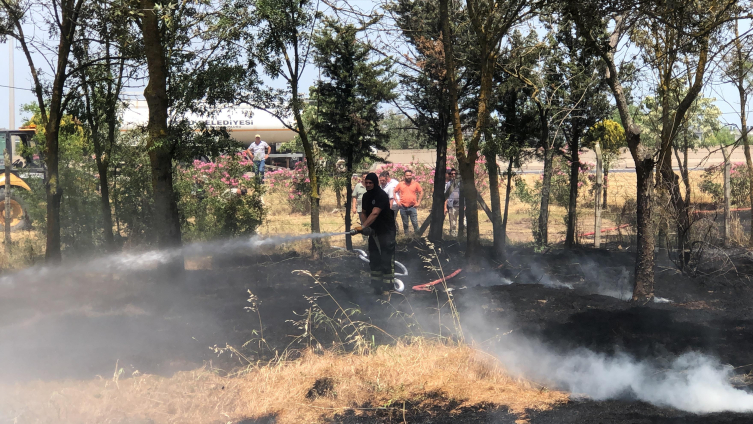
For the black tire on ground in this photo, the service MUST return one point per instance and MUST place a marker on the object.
(19, 217)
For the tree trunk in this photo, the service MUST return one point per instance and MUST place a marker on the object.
(166, 223)
(103, 162)
(52, 189)
(573, 201)
(469, 192)
(107, 223)
(467, 160)
(740, 82)
(670, 182)
(599, 184)
(546, 183)
(644, 261)
(686, 172)
(498, 234)
(461, 215)
(438, 198)
(508, 190)
(308, 150)
(727, 196)
(349, 205)
(102, 155)
(52, 131)
(642, 156)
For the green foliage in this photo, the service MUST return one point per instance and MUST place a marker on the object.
(700, 121)
(523, 193)
(609, 134)
(560, 188)
(711, 187)
(80, 213)
(348, 116)
(712, 180)
(611, 138)
(424, 81)
(131, 188)
(531, 197)
(401, 133)
(721, 137)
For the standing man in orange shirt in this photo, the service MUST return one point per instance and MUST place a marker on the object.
(410, 194)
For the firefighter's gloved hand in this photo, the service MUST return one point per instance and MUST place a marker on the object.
(355, 230)
(367, 231)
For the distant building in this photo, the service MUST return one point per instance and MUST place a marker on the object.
(242, 122)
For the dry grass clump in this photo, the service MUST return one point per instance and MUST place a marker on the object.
(401, 380)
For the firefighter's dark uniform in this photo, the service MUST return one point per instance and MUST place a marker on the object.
(381, 239)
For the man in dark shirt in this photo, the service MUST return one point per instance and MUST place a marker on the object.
(379, 224)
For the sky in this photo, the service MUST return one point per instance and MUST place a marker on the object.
(727, 99)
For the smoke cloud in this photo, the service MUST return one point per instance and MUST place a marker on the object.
(692, 382)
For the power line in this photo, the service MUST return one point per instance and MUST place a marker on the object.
(17, 88)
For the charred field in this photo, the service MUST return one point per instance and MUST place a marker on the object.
(541, 315)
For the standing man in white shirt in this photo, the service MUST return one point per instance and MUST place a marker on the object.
(452, 205)
(259, 152)
(388, 184)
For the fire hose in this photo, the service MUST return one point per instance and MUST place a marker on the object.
(425, 287)
(399, 285)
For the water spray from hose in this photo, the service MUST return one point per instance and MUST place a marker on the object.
(135, 261)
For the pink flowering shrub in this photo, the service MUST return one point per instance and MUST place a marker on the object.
(211, 199)
(293, 185)
(216, 178)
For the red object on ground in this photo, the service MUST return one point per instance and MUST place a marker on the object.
(604, 230)
(425, 287)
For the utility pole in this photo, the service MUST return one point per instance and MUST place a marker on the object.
(7, 157)
(11, 85)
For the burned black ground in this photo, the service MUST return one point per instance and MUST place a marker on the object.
(156, 323)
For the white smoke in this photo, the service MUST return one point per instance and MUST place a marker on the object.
(692, 382)
(545, 279)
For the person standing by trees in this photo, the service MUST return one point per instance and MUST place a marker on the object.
(409, 194)
(388, 184)
(358, 191)
(259, 151)
(452, 206)
(379, 225)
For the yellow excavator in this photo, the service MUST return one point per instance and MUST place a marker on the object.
(24, 165)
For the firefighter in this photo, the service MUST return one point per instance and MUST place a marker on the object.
(378, 223)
